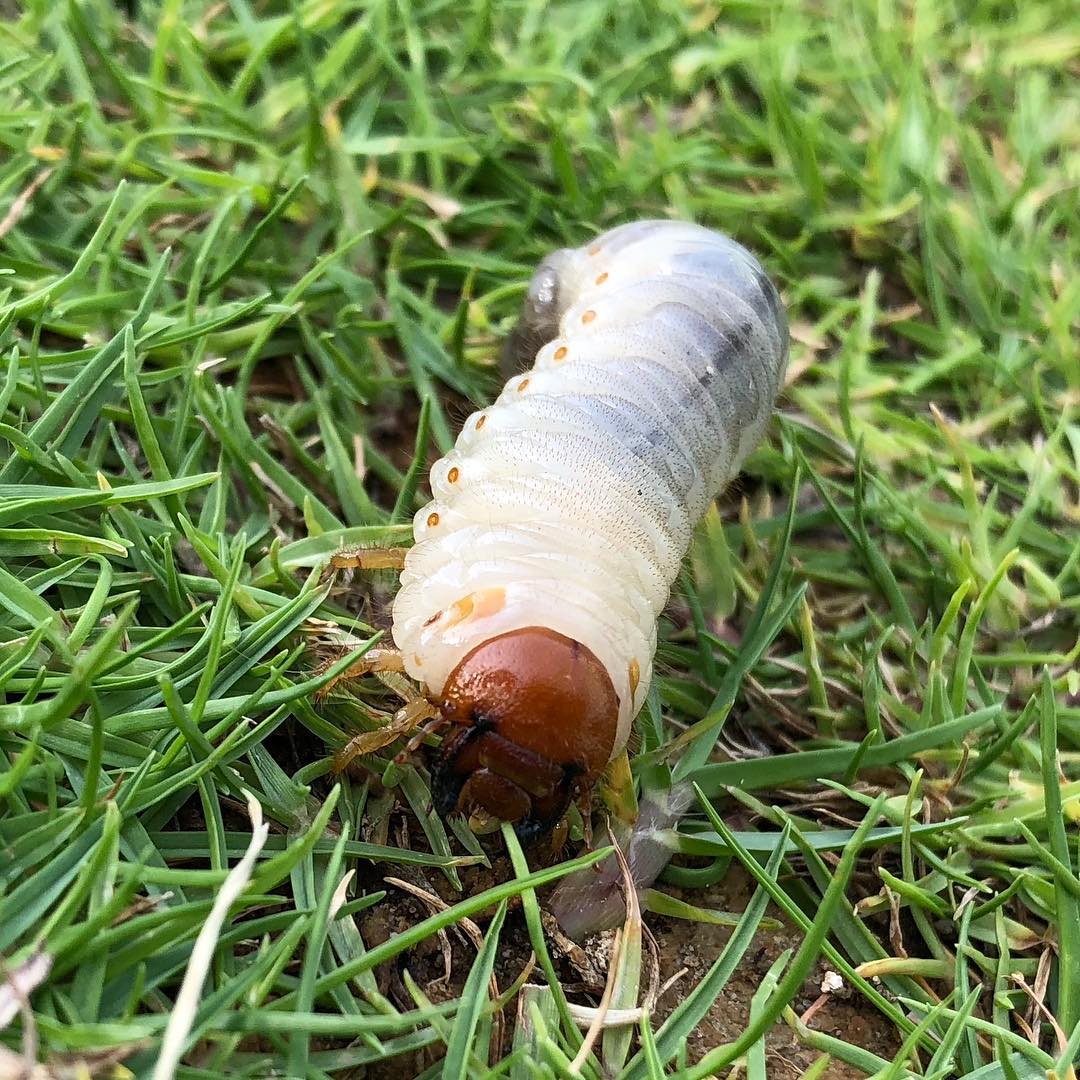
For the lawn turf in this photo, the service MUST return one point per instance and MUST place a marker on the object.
(251, 255)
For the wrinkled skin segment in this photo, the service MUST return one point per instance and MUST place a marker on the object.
(534, 718)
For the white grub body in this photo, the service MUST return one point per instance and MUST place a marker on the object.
(570, 502)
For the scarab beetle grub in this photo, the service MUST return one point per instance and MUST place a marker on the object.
(559, 521)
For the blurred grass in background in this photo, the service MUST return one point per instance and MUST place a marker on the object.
(243, 244)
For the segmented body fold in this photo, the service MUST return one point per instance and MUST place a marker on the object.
(570, 502)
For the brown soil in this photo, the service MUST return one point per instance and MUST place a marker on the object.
(682, 945)
(845, 1014)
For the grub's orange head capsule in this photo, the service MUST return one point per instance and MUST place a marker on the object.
(534, 718)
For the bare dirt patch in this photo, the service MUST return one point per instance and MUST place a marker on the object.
(441, 964)
(695, 947)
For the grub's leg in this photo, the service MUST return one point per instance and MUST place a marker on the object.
(560, 834)
(367, 742)
(373, 662)
(617, 790)
(386, 558)
(585, 807)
